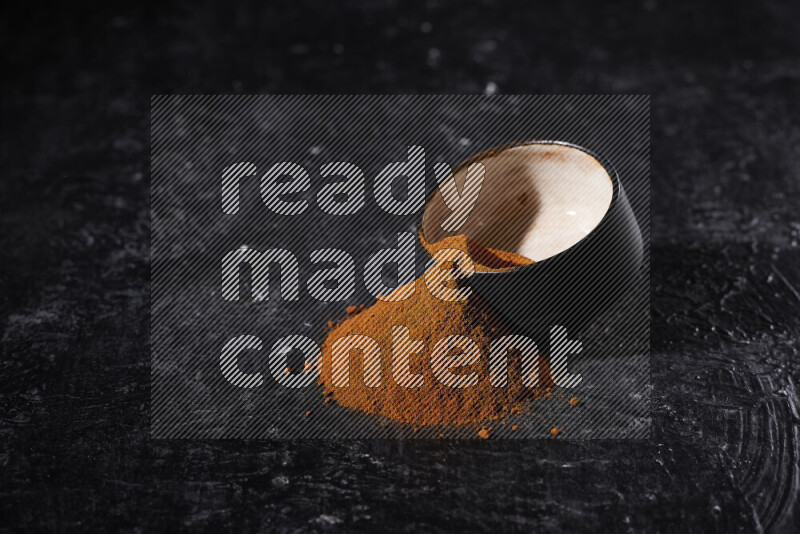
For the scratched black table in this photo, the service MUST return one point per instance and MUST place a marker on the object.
(76, 452)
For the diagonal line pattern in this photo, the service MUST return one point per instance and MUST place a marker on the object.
(199, 143)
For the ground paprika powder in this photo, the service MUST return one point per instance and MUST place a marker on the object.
(429, 319)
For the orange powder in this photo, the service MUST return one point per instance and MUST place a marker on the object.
(429, 319)
(485, 259)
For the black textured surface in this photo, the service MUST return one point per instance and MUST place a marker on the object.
(74, 411)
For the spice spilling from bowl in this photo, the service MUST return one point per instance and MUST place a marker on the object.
(427, 319)
(536, 201)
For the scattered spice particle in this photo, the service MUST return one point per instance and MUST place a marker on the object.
(574, 401)
(351, 310)
(331, 324)
(554, 431)
(484, 433)
(287, 371)
(514, 427)
(308, 412)
(327, 400)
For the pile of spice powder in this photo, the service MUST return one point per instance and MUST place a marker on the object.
(429, 319)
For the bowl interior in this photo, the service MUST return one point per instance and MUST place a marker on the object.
(536, 200)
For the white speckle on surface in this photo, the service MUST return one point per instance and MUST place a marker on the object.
(280, 482)
(434, 55)
(490, 89)
(326, 519)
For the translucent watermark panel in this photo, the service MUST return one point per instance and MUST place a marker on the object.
(422, 267)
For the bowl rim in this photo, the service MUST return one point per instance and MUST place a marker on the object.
(493, 151)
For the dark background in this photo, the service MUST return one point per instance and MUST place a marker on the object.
(74, 277)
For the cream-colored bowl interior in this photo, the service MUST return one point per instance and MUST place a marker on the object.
(537, 200)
